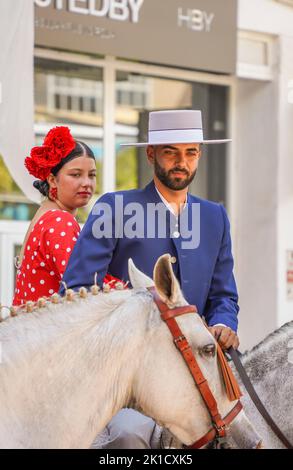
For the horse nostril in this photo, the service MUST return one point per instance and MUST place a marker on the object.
(208, 350)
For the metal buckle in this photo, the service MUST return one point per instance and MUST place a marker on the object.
(219, 429)
(178, 339)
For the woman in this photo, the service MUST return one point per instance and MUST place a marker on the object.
(66, 173)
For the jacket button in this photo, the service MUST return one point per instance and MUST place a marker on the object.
(173, 259)
(176, 234)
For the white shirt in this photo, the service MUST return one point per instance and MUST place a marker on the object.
(171, 209)
(169, 206)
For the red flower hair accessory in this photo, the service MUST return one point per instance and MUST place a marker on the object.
(57, 144)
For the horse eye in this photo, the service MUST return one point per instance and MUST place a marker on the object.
(209, 350)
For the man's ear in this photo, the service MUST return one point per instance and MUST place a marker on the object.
(150, 151)
(200, 151)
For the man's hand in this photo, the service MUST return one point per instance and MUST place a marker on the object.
(225, 336)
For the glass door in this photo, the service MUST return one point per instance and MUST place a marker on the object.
(71, 94)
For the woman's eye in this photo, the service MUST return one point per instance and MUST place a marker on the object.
(75, 174)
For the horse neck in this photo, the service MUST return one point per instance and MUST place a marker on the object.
(269, 368)
(77, 377)
(270, 354)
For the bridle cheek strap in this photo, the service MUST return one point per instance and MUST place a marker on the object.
(168, 315)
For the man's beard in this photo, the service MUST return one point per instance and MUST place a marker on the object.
(172, 182)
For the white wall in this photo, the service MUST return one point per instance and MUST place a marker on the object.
(256, 217)
(266, 16)
(285, 175)
(264, 176)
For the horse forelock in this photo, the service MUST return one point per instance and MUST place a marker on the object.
(269, 354)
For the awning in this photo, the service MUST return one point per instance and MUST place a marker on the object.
(16, 89)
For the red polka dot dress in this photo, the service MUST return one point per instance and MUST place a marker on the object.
(46, 254)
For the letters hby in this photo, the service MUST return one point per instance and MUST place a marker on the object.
(196, 20)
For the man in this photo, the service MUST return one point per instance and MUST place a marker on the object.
(163, 218)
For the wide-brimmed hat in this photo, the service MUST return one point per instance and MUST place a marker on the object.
(175, 127)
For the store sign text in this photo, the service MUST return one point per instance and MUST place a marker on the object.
(119, 10)
(196, 20)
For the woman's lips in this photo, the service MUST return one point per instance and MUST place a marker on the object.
(84, 193)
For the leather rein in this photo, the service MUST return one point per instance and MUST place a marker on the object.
(219, 424)
(255, 398)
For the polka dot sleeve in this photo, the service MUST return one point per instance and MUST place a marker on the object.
(58, 241)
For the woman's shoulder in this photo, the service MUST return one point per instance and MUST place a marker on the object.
(57, 216)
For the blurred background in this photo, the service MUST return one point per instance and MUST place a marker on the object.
(100, 66)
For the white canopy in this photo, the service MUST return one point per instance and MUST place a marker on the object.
(16, 89)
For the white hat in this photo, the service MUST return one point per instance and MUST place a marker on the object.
(175, 127)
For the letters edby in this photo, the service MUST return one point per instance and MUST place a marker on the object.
(119, 10)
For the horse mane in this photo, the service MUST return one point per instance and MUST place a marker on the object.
(266, 349)
(70, 295)
(27, 332)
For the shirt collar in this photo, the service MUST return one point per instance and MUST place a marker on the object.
(169, 206)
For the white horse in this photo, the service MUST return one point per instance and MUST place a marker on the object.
(68, 368)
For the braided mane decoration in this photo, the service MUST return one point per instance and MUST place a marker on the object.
(70, 296)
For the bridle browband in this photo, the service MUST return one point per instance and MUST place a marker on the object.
(219, 424)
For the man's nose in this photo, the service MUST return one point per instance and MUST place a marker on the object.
(180, 157)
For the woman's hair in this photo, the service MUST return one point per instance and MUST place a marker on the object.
(81, 149)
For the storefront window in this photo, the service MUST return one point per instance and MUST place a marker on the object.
(72, 95)
(136, 95)
(65, 94)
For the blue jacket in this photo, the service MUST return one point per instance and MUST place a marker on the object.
(204, 266)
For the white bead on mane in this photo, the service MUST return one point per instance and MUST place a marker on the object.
(69, 296)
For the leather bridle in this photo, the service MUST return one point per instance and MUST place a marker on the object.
(219, 424)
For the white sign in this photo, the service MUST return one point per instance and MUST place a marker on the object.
(119, 10)
(182, 33)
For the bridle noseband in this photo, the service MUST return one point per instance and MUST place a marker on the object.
(219, 424)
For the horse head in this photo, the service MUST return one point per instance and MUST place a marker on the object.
(162, 371)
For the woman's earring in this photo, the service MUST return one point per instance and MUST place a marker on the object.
(53, 194)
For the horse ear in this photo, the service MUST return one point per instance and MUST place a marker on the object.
(137, 278)
(166, 283)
